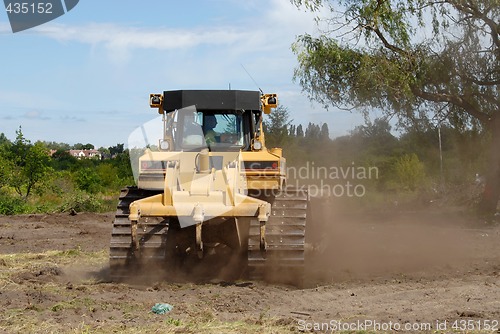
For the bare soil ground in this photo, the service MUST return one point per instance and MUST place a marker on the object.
(421, 272)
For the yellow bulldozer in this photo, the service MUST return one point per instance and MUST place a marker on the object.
(211, 186)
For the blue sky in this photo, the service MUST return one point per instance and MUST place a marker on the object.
(86, 76)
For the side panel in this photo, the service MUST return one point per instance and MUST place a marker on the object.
(263, 170)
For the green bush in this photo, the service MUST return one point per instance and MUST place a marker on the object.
(88, 180)
(108, 177)
(12, 205)
(409, 172)
(80, 201)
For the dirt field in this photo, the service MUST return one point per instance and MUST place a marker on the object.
(431, 272)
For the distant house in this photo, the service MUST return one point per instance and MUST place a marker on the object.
(85, 154)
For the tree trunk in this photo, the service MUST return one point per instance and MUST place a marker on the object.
(491, 193)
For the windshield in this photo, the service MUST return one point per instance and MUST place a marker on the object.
(218, 132)
(222, 130)
(190, 130)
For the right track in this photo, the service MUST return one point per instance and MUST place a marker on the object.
(284, 258)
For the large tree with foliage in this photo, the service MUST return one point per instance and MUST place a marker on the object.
(28, 164)
(416, 59)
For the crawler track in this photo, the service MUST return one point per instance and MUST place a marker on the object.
(284, 258)
(152, 234)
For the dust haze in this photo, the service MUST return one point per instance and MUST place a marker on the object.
(344, 246)
(393, 243)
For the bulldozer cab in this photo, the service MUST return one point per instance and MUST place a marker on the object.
(218, 120)
(226, 124)
(219, 131)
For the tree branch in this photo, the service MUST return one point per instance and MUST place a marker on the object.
(385, 41)
(456, 100)
(476, 13)
(484, 82)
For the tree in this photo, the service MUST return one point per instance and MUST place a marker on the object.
(376, 137)
(52, 145)
(80, 146)
(30, 164)
(300, 131)
(63, 160)
(4, 140)
(374, 57)
(276, 126)
(325, 133)
(312, 131)
(123, 166)
(117, 149)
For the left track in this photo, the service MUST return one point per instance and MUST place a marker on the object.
(152, 234)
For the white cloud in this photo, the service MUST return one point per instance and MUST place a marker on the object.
(5, 28)
(121, 41)
(280, 19)
(37, 115)
(261, 42)
(117, 36)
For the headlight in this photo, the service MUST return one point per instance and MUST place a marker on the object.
(257, 145)
(164, 145)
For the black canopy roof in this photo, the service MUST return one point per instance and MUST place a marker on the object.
(211, 99)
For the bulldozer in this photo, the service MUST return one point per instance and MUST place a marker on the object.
(209, 185)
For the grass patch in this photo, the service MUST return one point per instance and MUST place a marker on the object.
(24, 321)
(89, 306)
(19, 260)
(47, 263)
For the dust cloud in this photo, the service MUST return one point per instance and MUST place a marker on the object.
(352, 246)
(393, 245)
(342, 245)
